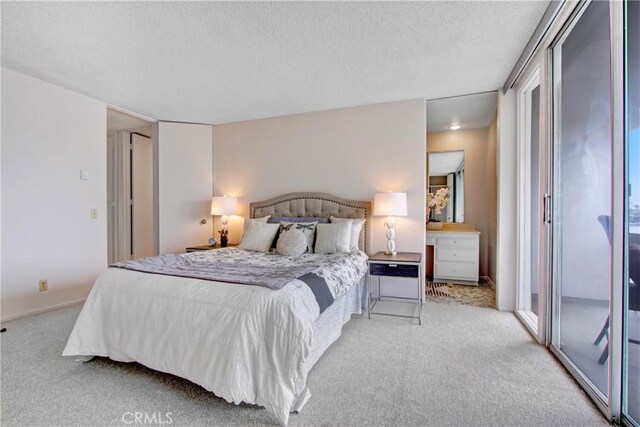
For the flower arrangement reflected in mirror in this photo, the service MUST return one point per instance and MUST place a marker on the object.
(436, 202)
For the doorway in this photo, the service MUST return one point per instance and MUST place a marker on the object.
(130, 186)
(461, 197)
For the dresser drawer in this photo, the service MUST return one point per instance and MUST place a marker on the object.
(455, 241)
(459, 253)
(398, 270)
(456, 270)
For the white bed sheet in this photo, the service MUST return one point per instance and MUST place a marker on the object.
(244, 343)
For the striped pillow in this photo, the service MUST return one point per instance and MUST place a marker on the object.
(356, 228)
(258, 236)
(333, 238)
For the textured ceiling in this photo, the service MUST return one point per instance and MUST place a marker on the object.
(117, 120)
(475, 111)
(229, 61)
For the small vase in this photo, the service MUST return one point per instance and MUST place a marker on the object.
(223, 241)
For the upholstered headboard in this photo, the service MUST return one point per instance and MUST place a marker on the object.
(316, 205)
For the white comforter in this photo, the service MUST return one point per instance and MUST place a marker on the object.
(244, 343)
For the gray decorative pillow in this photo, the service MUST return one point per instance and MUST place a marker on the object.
(292, 243)
(308, 228)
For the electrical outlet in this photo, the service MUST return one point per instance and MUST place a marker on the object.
(93, 213)
(43, 285)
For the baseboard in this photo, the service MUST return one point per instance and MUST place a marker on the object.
(42, 310)
(488, 279)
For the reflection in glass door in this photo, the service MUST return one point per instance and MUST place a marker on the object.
(631, 347)
(582, 198)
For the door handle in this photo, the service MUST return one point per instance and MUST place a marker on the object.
(546, 211)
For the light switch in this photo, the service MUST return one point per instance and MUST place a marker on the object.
(93, 213)
(84, 174)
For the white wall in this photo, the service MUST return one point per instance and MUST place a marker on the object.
(184, 183)
(48, 135)
(506, 280)
(350, 152)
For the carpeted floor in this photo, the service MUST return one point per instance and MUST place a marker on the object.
(483, 295)
(464, 366)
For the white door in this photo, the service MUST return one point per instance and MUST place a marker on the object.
(185, 185)
(533, 201)
(141, 196)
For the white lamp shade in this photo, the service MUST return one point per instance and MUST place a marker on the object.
(390, 204)
(223, 205)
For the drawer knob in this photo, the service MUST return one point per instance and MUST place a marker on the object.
(393, 265)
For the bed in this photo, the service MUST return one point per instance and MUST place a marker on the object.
(243, 342)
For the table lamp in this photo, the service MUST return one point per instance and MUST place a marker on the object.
(390, 205)
(223, 206)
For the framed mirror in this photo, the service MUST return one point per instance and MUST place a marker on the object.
(445, 187)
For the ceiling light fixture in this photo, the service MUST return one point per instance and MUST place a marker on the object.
(454, 127)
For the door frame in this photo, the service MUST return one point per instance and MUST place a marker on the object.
(534, 76)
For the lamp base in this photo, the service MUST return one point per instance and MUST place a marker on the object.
(390, 223)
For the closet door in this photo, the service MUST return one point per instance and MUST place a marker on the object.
(582, 199)
(185, 185)
(533, 202)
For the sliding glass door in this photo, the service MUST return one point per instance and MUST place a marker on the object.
(582, 188)
(631, 335)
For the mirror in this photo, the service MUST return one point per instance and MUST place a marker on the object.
(445, 188)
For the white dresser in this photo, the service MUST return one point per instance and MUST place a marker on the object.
(456, 256)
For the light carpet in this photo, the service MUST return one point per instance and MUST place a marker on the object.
(464, 366)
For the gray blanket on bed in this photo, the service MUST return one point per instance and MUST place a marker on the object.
(177, 265)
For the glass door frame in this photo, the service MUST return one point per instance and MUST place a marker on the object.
(609, 404)
(533, 77)
(624, 415)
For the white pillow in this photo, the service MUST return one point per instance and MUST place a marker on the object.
(356, 228)
(333, 238)
(249, 221)
(307, 228)
(291, 243)
(259, 236)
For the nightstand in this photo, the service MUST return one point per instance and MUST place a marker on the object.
(403, 264)
(204, 248)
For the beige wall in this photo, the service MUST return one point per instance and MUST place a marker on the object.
(492, 200)
(479, 188)
(350, 152)
(47, 230)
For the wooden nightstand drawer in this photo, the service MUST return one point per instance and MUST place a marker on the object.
(397, 270)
